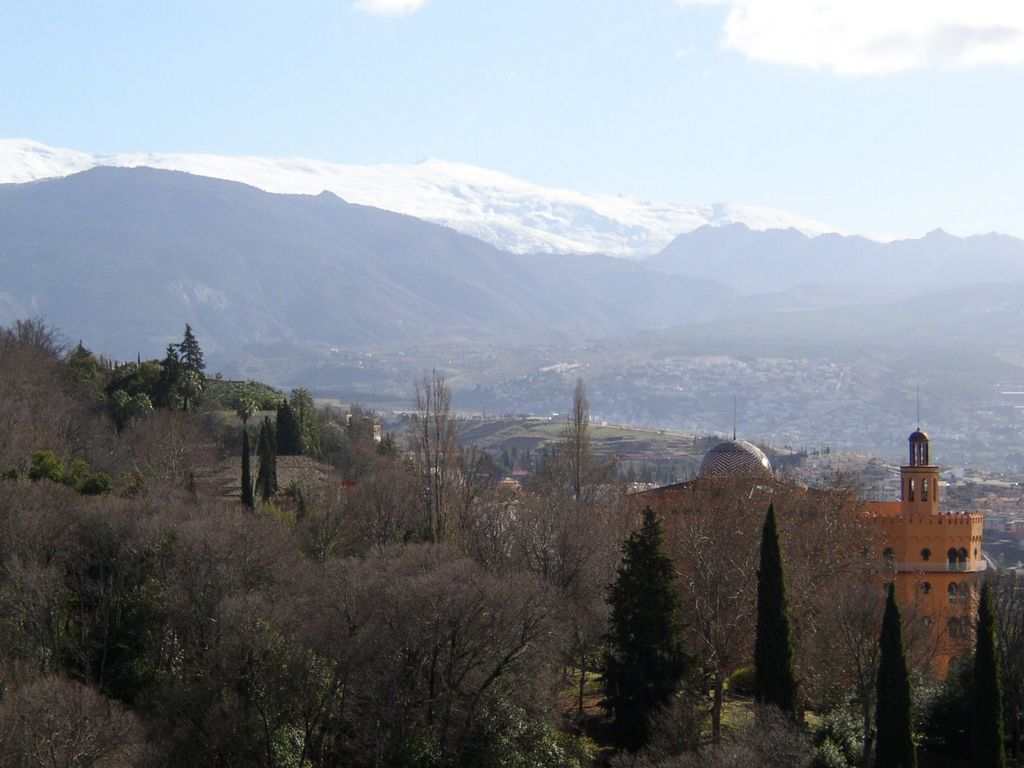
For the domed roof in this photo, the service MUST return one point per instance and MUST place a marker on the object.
(735, 458)
(917, 436)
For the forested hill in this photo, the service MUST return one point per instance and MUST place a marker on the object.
(395, 605)
(127, 256)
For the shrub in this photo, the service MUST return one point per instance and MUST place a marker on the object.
(76, 473)
(829, 755)
(46, 465)
(99, 484)
(947, 727)
(742, 681)
(841, 728)
(504, 737)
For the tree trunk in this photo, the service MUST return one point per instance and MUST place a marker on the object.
(583, 683)
(716, 707)
(868, 736)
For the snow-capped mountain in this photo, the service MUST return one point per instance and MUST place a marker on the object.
(512, 214)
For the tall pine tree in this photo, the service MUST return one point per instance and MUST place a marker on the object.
(894, 743)
(644, 660)
(190, 354)
(774, 678)
(988, 750)
(289, 432)
(247, 493)
(266, 453)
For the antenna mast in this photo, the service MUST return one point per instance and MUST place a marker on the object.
(919, 406)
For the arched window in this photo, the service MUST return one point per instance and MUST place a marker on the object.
(924, 490)
(951, 558)
(926, 587)
(926, 554)
(961, 556)
(964, 592)
(965, 627)
(935, 490)
(953, 627)
(910, 489)
(889, 555)
(952, 592)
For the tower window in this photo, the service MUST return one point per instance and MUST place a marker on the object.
(889, 555)
(924, 490)
(952, 592)
(926, 587)
(961, 556)
(958, 628)
(926, 554)
(951, 558)
(910, 489)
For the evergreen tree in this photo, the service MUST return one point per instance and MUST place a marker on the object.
(894, 742)
(644, 660)
(165, 393)
(388, 447)
(247, 491)
(190, 354)
(289, 432)
(266, 453)
(774, 678)
(988, 746)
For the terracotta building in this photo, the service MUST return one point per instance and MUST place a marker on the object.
(934, 556)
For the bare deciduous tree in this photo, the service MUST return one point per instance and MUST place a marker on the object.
(57, 723)
(435, 445)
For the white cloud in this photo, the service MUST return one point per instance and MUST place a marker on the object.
(875, 37)
(390, 7)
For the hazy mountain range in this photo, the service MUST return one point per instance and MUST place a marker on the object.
(509, 213)
(125, 256)
(780, 260)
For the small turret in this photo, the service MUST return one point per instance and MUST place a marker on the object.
(919, 449)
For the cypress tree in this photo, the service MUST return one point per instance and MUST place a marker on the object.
(247, 492)
(988, 746)
(289, 433)
(644, 660)
(266, 453)
(894, 744)
(774, 678)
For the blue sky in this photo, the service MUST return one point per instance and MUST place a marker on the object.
(869, 118)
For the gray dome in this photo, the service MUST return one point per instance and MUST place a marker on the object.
(735, 458)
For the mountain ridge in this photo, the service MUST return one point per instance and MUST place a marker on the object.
(126, 256)
(512, 214)
(779, 260)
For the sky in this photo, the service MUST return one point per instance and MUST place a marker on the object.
(889, 118)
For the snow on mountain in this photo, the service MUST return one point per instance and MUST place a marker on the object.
(510, 213)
